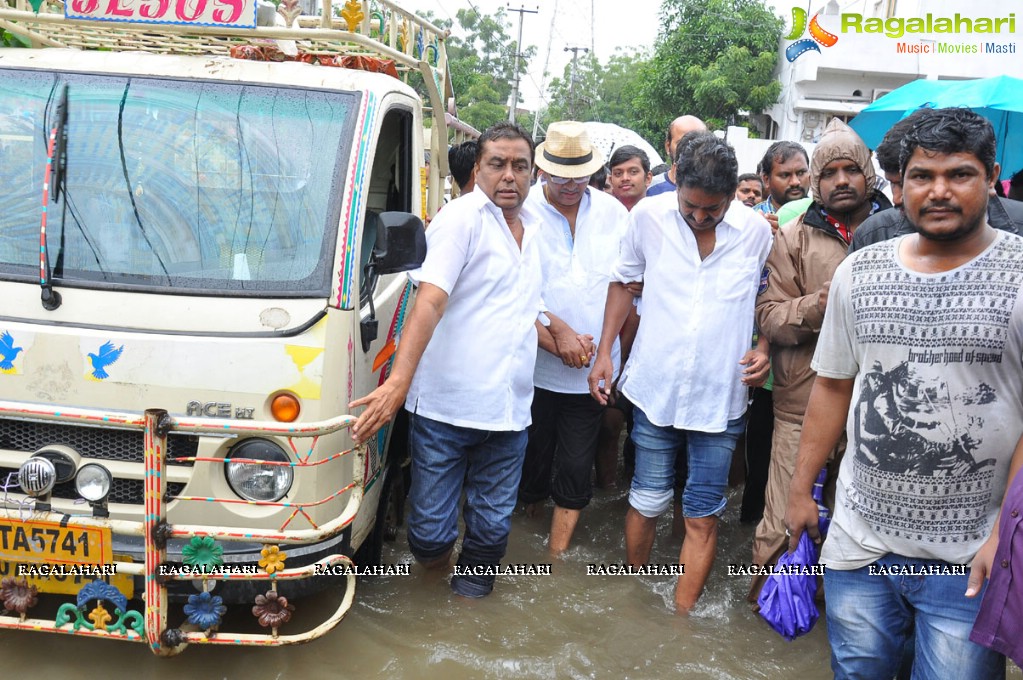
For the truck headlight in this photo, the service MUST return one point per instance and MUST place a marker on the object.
(37, 476)
(256, 482)
(93, 482)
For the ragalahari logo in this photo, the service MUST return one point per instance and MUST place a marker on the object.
(817, 35)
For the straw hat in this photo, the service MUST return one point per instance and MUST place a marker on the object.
(567, 151)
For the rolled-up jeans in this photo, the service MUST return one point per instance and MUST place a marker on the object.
(490, 465)
(709, 455)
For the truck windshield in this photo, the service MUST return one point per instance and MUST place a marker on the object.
(197, 186)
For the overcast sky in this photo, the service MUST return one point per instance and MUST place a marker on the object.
(599, 24)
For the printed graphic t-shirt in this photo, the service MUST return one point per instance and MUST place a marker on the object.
(937, 403)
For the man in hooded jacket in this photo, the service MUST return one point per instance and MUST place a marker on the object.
(791, 303)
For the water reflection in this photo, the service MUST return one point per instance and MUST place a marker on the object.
(567, 625)
(570, 625)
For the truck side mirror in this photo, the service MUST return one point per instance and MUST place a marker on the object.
(400, 244)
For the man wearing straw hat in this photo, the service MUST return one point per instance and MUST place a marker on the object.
(580, 233)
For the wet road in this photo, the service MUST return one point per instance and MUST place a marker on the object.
(566, 625)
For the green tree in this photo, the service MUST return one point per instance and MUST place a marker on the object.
(713, 59)
(605, 93)
(481, 58)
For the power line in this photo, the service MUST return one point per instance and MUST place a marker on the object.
(475, 11)
(444, 9)
(543, 78)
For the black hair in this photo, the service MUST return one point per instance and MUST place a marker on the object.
(888, 150)
(626, 153)
(954, 130)
(703, 161)
(461, 158)
(504, 130)
(750, 177)
(599, 179)
(660, 169)
(780, 152)
(1016, 186)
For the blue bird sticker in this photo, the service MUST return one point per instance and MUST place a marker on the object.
(8, 352)
(107, 355)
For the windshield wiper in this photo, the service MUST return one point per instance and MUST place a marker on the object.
(56, 176)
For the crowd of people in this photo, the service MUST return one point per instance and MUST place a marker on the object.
(795, 305)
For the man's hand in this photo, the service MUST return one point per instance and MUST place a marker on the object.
(981, 567)
(822, 297)
(801, 515)
(635, 288)
(382, 403)
(758, 367)
(602, 372)
(772, 219)
(573, 348)
(586, 341)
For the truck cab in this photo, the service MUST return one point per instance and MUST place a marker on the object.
(201, 257)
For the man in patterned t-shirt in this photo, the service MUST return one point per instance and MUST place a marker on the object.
(920, 360)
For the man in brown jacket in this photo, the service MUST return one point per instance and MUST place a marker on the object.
(790, 307)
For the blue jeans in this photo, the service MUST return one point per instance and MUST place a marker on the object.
(870, 618)
(490, 464)
(709, 455)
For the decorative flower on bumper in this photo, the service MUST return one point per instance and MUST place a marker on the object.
(272, 609)
(273, 559)
(203, 551)
(205, 610)
(17, 595)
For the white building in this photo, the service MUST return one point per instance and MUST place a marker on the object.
(842, 79)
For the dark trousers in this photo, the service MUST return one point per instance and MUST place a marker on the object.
(562, 444)
(759, 431)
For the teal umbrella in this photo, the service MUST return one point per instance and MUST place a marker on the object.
(999, 99)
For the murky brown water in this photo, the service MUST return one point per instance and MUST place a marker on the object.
(567, 625)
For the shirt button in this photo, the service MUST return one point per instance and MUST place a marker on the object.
(1014, 513)
(1005, 564)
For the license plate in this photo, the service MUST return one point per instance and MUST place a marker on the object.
(79, 551)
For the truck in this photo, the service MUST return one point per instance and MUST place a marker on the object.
(207, 209)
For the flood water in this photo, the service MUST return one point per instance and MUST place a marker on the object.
(566, 625)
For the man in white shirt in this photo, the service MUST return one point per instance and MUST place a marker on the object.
(700, 256)
(464, 366)
(580, 235)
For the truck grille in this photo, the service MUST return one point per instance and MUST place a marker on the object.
(131, 491)
(101, 443)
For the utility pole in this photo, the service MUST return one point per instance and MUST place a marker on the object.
(593, 24)
(571, 97)
(518, 49)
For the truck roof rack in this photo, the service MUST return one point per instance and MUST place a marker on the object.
(375, 28)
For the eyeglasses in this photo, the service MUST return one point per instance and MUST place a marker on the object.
(565, 180)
